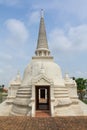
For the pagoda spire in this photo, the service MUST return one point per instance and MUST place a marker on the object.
(42, 13)
(42, 44)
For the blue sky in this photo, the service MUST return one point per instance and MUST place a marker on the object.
(66, 27)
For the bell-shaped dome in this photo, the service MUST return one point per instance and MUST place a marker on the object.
(50, 69)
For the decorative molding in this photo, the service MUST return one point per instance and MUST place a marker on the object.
(41, 79)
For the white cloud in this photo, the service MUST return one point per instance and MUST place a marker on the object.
(17, 32)
(76, 7)
(1, 71)
(58, 40)
(81, 74)
(34, 17)
(74, 39)
(78, 36)
(5, 56)
(12, 43)
(6, 74)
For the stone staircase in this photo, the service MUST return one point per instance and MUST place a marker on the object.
(21, 102)
(60, 92)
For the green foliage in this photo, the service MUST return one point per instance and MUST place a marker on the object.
(85, 101)
(0, 97)
(81, 87)
(3, 94)
(3, 97)
(81, 83)
(3, 85)
(1, 88)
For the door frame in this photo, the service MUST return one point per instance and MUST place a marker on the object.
(39, 81)
(37, 97)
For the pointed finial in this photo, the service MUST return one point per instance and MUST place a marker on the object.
(42, 44)
(18, 73)
(18, 77)
(66, 76)
(42, 13)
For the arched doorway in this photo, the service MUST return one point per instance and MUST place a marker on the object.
(42, 97)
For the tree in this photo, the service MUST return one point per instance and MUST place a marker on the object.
(3, 85)
(81, 87)
(1, 88)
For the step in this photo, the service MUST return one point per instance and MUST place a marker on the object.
(24, 93)
(42, 113)
(61, 92)
(23, 96)
(24, 89)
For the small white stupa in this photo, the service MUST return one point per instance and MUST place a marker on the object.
(13, 87)
(43, 87)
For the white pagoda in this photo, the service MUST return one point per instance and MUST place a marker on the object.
(43, 87)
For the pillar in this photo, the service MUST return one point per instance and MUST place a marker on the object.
(33, 100)
(52, 99)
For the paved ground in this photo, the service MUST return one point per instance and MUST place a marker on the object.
(49, 123)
